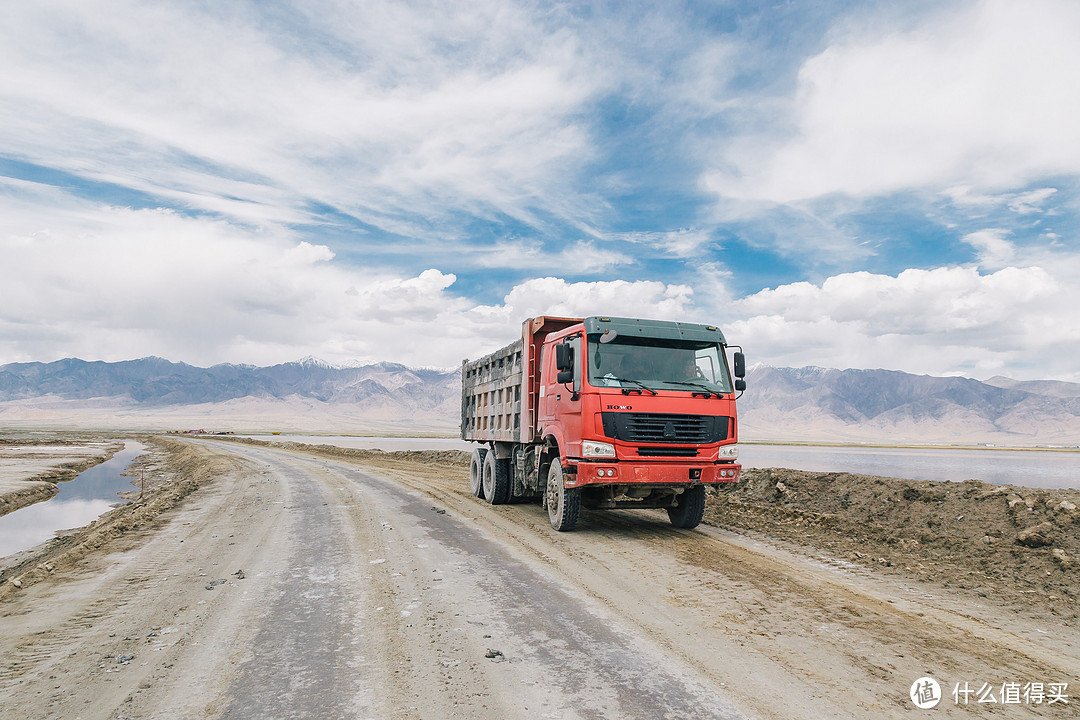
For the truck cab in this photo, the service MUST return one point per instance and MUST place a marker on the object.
(624, 412)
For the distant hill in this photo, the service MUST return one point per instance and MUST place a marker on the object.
(1053, 388)
(896, 407)
(801, 404)
(304, 395)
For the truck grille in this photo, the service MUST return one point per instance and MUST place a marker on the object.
(655, 451)
(665, 428)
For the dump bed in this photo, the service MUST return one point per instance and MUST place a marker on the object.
(499, 391)
(491, 396)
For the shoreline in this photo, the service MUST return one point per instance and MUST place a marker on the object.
(17, 492)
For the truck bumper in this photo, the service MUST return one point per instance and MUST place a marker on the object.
(630, 473)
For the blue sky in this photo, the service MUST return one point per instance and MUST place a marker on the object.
(844, 184)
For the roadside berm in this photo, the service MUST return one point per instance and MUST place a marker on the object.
(1015, 544)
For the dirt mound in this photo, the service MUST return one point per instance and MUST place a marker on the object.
(1018, 544)
(424, 457)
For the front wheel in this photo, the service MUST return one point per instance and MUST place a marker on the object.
(690, 508)
(563, 503)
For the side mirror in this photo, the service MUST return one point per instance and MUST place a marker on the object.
(740, 366)
(565, 376)
(564, 358)
(740, 385)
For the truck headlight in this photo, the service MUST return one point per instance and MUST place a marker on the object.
(729, 452)
(590, 448)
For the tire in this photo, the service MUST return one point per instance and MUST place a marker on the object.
(690, 510)
(563, 503)
(476, 472)
(496, 479)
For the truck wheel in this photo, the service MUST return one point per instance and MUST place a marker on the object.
(496, 479)
(691, 508)
(563, 503)
(476, 472)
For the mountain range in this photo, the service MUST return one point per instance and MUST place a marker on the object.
(307, 395)
(893, 407)
(785, 404)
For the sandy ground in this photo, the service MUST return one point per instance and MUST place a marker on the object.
(31, 468)
(271, 582)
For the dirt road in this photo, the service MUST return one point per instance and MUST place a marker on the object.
(297, 586)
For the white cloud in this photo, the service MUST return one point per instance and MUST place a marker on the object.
(1028, 202)
(116, 283)
(994, 250)
(582, 256)
(419, 108)
(939, 321)
(555, 296)
(682, 243)
(982, 96)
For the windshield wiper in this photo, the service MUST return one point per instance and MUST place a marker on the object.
(626, 391)
(709, 392)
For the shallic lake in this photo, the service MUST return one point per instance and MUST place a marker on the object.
(1031, 468)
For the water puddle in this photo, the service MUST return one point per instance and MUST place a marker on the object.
(86, 497)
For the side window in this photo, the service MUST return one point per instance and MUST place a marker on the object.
(575, 343)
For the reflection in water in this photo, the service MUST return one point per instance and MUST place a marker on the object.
(25, 528)
(81, 500)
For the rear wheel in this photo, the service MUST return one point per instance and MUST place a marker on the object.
(563, 503)
(690, 508)
(476, 472)
(496, 479)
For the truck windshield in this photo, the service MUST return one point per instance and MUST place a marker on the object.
(633, 362)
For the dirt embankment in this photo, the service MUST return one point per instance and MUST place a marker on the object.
(173, 470)
(1014, 544)
(453, 458)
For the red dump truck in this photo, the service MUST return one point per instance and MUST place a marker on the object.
(604, 412)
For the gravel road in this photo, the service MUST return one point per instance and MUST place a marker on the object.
(299, 586)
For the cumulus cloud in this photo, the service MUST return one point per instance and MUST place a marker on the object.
(556, 296)
(118, 283)
(931, 321)
(979, 95)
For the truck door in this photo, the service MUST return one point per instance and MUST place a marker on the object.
(546, 410)
(566, 401)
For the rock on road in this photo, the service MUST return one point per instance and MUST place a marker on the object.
(298, 586)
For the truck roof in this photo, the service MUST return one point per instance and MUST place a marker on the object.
(662, 329)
